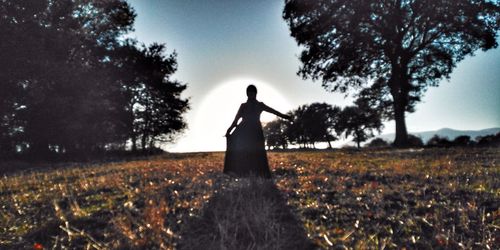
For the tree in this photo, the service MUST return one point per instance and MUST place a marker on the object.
(313, 123)
(319, 120)
(154, 103)
(296, 131)
(71, 84)
(158, 114)
(274, 132)
(395, 48)
(53, 73)
(358, 122)
(16, 18)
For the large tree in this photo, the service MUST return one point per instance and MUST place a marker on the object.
(154, 104)
(401, 47)
(53, 73)
(158, 114)
(71, 84)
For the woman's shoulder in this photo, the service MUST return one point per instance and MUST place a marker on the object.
(253, 104)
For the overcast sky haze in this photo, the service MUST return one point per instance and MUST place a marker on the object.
(223, 45)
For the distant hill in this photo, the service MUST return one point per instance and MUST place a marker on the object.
(445, 132)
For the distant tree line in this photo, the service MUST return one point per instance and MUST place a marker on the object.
(440, 141)
(72, 84)
(322, 122)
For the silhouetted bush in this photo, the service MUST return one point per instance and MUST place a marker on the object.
(463, 140)
(415, 141)
(438, 141)
(378, 143)
(489, 140)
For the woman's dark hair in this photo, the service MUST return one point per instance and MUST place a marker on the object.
(251, 89)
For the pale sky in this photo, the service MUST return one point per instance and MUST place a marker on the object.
(224, 45)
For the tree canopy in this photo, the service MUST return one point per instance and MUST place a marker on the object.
(392, 50)
(311, 123)
(358, 122)
(275, 134)
(318, 121)
(70, 82)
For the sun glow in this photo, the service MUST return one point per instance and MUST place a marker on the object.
(217, 110)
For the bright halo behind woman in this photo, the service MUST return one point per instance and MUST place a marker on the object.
(219, 107)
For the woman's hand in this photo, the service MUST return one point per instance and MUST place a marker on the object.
(288, 117)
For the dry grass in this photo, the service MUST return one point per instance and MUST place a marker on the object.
(249, 214)
(437, 198)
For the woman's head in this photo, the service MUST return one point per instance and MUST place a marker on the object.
(251, 91)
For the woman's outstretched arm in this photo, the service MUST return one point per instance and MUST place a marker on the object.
(273, 111)
(235, 121)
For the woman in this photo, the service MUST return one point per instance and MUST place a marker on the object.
(246, 153)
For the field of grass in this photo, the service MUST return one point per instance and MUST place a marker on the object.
(387, 199)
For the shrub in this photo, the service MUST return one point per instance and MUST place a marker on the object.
(463, 140)
(415, 141)
(378, 143)
(438, 141)
(489, 140)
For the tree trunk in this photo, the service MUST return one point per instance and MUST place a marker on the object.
(357, 139)
(144, 141)
(399, 86)
(133, 133)
(134, 144)
(401, 139)
(40, 150)
(151, 143)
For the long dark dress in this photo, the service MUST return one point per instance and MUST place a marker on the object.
(246, 153)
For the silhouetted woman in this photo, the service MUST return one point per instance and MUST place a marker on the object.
(246, 153)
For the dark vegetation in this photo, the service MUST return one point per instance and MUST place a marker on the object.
(432, 198)
(438, 141)
(72, 85)
(390, 52)
(322, 122)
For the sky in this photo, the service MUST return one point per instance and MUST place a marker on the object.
(224, 45)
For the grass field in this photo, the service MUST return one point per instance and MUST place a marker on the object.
(387, 199)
